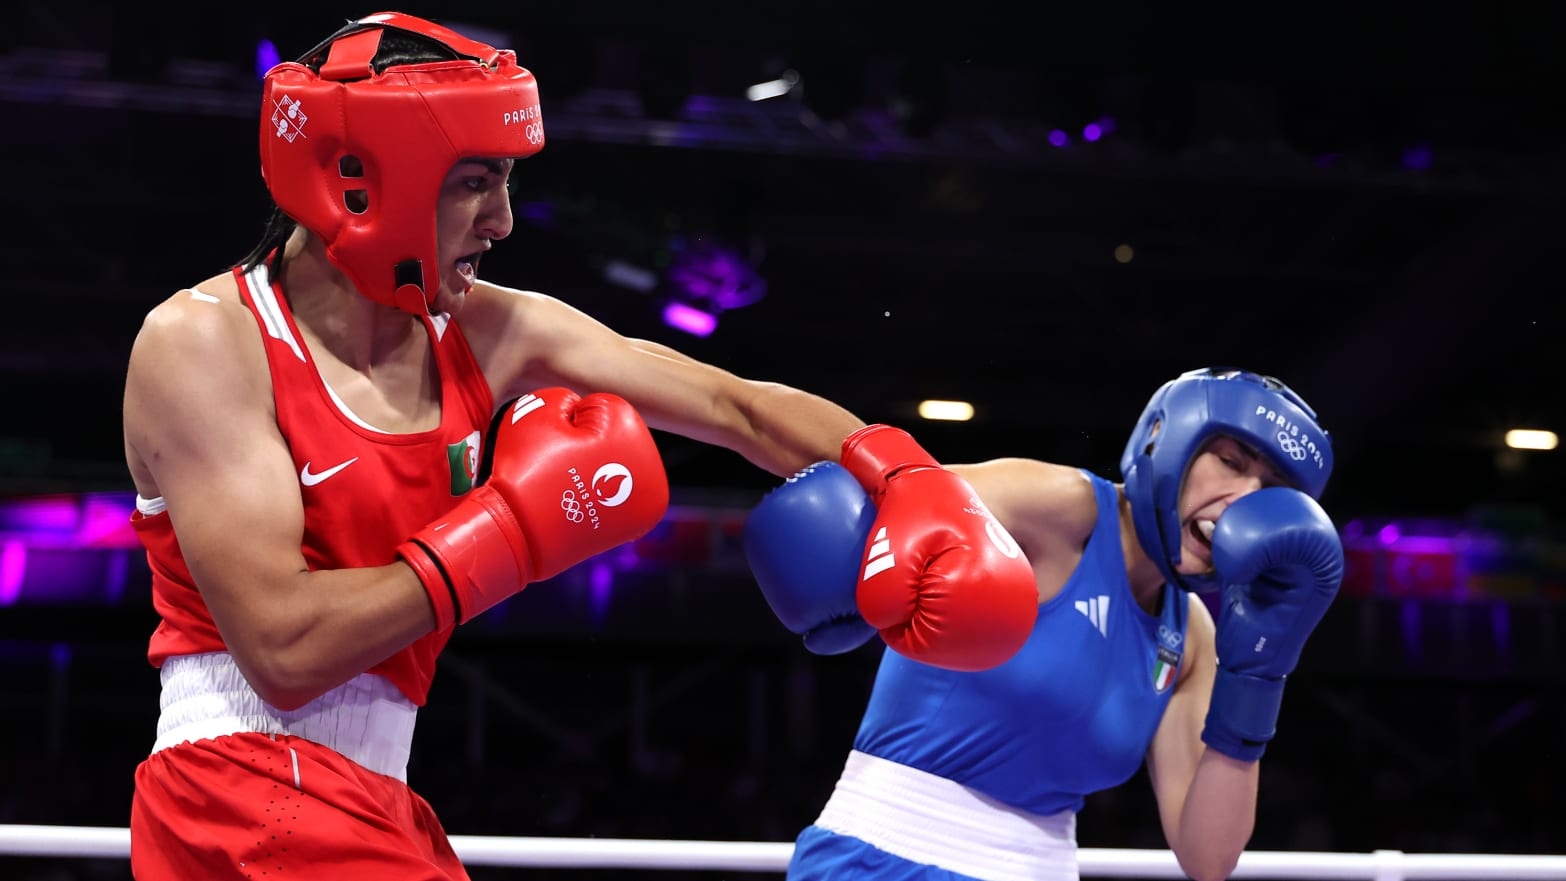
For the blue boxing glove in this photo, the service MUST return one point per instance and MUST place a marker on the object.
(1280, 560)
(804, 541)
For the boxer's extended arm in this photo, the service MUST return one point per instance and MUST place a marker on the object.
(527, 340)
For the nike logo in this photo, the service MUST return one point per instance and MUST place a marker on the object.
(311, 478)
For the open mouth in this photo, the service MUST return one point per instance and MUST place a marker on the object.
(467, 267)
(1202, 531)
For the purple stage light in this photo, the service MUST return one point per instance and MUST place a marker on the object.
(1058, 138)
(13, 565)
(1437, 545)
(715, 276)
(105, 522)
(1418, 158)
(1092, 132)
(266, 58)
(86, 520)
(1389, 534)
(41, 516)
(689, 319)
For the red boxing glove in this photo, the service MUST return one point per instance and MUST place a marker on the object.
(563, 478)
(943, 580)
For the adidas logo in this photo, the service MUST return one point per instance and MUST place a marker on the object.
(879, 558)
(1097, 611)
(525, 405)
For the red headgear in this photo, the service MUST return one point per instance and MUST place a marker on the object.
(407, 126)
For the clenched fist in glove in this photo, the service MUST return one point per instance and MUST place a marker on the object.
(1280, 561)
(941, 579)
(564, 477)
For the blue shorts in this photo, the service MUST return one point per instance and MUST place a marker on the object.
(820, 855)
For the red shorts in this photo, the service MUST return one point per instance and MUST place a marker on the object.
(261, 806)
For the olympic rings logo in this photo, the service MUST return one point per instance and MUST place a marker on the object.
(1293, 448)
(572, 507)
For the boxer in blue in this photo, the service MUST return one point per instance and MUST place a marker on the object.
(980, 774)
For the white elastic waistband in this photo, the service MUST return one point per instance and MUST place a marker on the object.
(928, 819)
(366, 719)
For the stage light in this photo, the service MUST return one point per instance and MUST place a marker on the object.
(716, 277)
(13, 564)
(690, 319)
(946, 411)
(1531, 439)
(267, 58)
(629, 276)
(774, 88)
(705, 279)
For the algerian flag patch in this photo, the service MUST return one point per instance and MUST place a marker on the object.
(463, 456)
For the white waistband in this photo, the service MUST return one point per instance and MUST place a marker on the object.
(928, 819)
(366, 719)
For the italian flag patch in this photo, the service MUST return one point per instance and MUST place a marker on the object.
(1164, 668)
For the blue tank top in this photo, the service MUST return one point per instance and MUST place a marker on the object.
(1072, 713)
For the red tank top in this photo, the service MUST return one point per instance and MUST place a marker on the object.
(364, 490)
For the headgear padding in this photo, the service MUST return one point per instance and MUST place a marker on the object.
(406, 127)
(1257, 410)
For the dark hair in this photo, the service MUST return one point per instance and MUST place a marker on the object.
(396, 47)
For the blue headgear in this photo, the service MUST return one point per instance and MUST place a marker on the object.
(1249, 407)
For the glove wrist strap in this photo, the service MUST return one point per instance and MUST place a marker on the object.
(475, 557)
(876, 452)
(1243, 714)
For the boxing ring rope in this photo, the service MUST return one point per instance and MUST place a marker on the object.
(770, 857)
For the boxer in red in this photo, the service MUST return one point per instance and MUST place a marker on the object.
(334, 469)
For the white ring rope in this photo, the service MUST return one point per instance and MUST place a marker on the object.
(772, 857)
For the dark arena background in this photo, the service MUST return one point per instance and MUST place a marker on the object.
(1046, 210)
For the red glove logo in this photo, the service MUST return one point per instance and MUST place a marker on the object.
(999, 537)
(878, 557)
(612, 484)
(525, 405)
